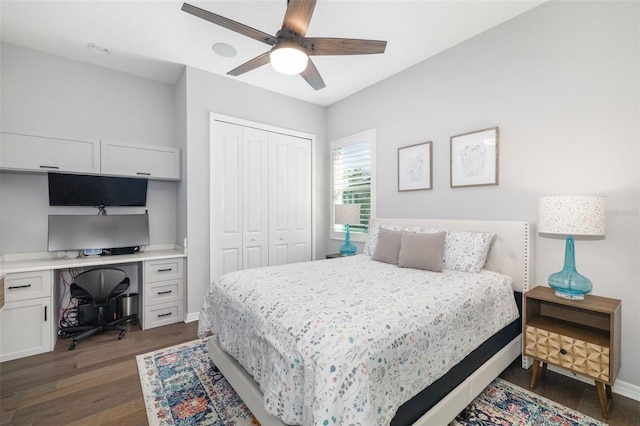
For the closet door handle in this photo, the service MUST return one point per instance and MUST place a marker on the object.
(45, 313)
(13, 287)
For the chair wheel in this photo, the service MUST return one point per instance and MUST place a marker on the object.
(134, 321)
(64, 335)
(121, 335)
(72, 346)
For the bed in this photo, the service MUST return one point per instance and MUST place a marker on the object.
(332, 357)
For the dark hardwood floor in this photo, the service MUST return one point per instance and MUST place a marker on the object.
(97, 383)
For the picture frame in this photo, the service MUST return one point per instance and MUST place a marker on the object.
(415, 167)
(474, 158)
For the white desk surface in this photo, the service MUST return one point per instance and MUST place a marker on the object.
(16, 265)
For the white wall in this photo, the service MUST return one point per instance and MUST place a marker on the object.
(49, 94)
(562, 83)
(208, 93)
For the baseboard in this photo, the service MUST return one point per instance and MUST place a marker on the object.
(620, 387)
(192, 316)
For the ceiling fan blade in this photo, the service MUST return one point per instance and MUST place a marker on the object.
(229, 24)
(254, 63)
(297, 18)
(312, 76)
(342, 46)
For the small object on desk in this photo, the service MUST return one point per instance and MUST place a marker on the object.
(333, 255)
(582, 336)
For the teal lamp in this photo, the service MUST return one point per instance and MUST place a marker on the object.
(346, 214)
(571, 215)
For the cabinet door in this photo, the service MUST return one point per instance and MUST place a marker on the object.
(289, 199)
(23, 152)
(25, 328)
(150, 161)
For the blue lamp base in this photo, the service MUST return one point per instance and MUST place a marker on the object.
(568, 283)
(347, 249)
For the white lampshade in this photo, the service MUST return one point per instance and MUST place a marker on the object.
(288, 58)
(572, 215)
(347, 214)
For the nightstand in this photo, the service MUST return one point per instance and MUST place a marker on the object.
(582, 336)
(333, 255)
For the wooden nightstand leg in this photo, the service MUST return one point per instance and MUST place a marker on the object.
(544, 369)
(605, 397)
(534, 373)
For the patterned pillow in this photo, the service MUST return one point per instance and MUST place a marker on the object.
(370, 246)
(467, 251)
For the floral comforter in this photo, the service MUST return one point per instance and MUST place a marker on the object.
(349, 340)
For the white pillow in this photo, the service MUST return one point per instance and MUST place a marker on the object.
(467, 251)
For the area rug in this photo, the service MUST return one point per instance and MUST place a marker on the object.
(181, 387)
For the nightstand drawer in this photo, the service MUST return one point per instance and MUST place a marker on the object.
(576, 355)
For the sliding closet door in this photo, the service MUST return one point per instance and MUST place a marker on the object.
(255, 197)
(226, 199)
(289, 199)
(240, 197)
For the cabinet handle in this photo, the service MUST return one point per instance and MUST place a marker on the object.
(563, 352)
(45, 314)
(164, 315)
(164, 292)
(50, 167)
(165, 270)
(143, 174)
(13, 287)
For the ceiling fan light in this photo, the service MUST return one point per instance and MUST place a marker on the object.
(288, 58)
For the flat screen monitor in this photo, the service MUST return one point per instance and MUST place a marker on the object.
(81, 232)
(84, 190)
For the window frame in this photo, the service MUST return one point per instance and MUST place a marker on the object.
(368, 135)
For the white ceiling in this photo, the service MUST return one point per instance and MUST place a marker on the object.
(155, 39)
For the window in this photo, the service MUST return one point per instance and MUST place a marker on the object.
(352, 181)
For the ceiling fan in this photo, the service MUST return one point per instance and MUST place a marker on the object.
(291, 49)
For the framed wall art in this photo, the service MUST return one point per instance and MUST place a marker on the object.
(474, 158)
(415, 167)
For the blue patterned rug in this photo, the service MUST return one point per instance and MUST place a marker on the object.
(180, 387)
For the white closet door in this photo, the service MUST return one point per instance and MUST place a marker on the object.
(289, 199)
(255, 195)
(226, 199)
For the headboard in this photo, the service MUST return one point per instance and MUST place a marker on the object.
(510, 253)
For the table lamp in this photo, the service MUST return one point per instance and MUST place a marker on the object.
(571, 215)
(346, 214)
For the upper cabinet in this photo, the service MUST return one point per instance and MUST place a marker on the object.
(35, 153)
(38, 153)
(150, 161)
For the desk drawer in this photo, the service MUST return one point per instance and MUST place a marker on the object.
(27, 285)
(573, 354)
(162, 270)
(163, 314)
(163, 291)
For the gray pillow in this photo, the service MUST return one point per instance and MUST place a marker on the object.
(422, 251)
(388, 246)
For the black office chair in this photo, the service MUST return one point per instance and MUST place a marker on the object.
(98, 288)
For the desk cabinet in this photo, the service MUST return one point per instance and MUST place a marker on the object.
(27, 320)
(35, 153)
(582, 336)
(163, 292)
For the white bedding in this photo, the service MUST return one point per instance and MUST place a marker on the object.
(349, 340)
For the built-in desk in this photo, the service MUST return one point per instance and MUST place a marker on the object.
(34, 284)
